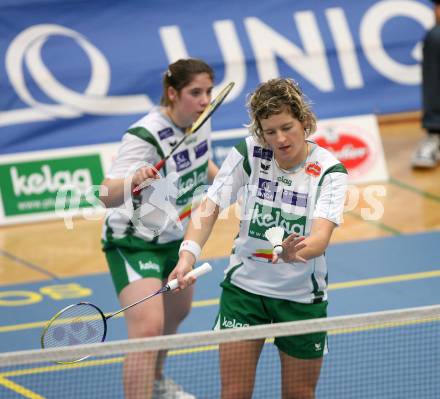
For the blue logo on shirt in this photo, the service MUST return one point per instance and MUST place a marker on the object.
(182, 160)
(267, 189)
(263, 153)
(201, 148)
(294, 198)
(165, 133)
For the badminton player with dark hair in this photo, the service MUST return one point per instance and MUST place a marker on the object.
(280, 178)
(141, 245)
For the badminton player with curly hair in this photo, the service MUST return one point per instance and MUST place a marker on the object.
(280, 178)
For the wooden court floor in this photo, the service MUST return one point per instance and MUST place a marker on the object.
(411, 204)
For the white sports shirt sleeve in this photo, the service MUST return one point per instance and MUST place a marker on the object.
(131, 155)
(330, 204)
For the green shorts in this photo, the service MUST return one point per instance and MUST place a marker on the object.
(240, 308)
(139, 259)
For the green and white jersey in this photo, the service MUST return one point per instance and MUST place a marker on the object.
(270, 196)
(160, 213)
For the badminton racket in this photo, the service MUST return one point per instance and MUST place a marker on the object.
(204, 116)
(86, 323)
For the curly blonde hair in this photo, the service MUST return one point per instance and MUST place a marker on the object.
(272, 98)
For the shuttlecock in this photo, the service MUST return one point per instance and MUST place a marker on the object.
(275, 236)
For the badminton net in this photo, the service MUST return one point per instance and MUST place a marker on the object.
(391, 354)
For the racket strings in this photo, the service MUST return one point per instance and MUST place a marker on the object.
(78, 324)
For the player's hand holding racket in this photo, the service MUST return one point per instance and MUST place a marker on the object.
(86, 323)
(184, 265)
(204, 116)
(144, 176)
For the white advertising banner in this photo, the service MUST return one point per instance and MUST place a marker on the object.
(63, 183)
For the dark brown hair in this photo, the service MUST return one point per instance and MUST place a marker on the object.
(180, 73)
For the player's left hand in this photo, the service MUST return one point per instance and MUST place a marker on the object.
(291, 246)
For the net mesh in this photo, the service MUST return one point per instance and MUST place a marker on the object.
(393, 354)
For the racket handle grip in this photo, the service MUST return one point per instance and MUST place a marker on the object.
(160, 164)
(197, 272)
(136, 191)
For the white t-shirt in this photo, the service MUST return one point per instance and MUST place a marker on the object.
(160, 213)
(270, 196)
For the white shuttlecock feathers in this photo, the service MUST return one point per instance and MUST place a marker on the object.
(275, 236)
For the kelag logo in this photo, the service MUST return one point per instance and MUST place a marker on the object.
(32, 187)
(264, 217)
(190, 181)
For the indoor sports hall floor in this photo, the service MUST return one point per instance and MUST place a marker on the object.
(365, 276)
(389, 263)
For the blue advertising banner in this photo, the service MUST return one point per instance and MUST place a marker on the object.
(75, 73)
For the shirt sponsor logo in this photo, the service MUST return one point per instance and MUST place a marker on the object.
(313, 169)
(264, 167)
(165, 133)
(201, 148)
(294, 198)
(285, 180)
(264, 217)
(182, 160)
(267, 189)
(233, 323)
(189, 182)
(191, 139)
(263, 153)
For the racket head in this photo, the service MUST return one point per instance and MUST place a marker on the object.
(81, 323)
(210, 109)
